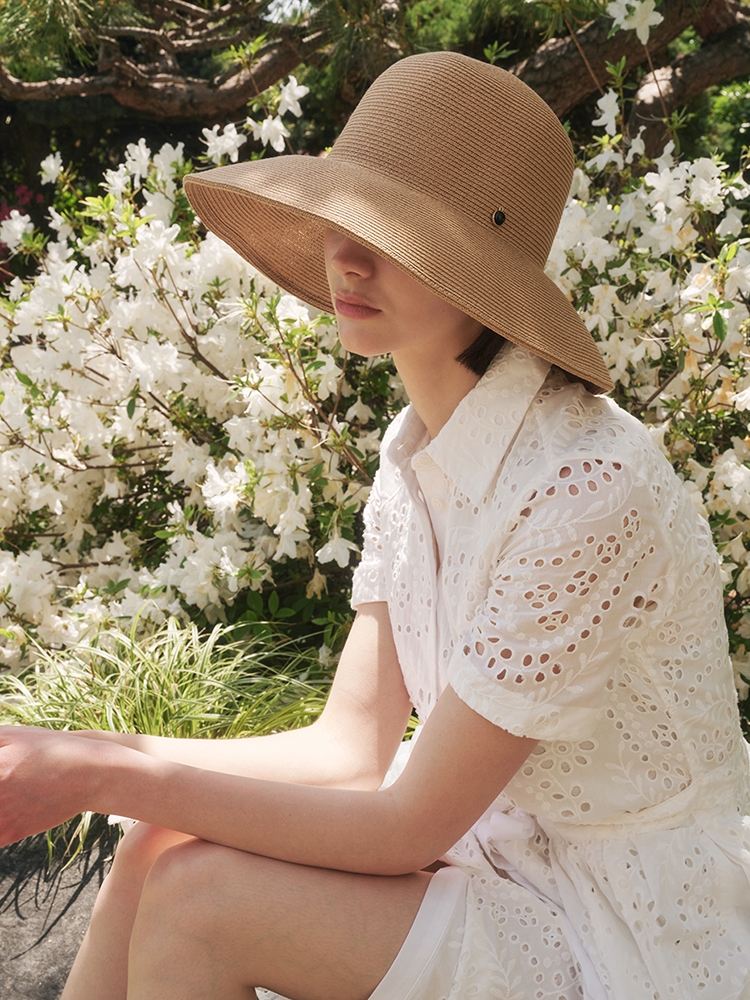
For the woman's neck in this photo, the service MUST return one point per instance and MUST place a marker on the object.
(435, 387)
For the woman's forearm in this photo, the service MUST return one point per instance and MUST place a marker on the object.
(351, 830)
(397, 830)
(46, 777)
(309, 756)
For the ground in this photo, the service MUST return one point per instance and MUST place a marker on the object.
(43, 916)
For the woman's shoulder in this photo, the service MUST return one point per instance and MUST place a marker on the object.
(566, 421)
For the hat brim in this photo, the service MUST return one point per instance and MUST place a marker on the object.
(275, 212)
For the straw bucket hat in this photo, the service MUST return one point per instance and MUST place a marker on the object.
(450, 168)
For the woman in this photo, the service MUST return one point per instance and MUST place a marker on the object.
(572, 821)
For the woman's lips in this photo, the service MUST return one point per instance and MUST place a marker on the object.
(353, 307)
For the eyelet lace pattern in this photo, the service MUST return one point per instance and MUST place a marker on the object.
(579, 603)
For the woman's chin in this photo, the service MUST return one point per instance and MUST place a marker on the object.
(358, 342)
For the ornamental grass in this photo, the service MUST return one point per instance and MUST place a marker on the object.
(174, 682)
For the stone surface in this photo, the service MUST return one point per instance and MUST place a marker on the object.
(43, 916)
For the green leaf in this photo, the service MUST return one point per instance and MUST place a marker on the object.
(495, 52)
(131, 407)
(720, 326)
(728, 252)
(24, 379)
(273, 602)
(254, 603)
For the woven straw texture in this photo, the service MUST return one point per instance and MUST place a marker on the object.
(436, 146)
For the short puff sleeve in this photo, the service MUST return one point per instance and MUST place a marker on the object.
(583, 575)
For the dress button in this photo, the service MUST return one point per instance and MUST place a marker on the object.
(421, 461)
(438, 504)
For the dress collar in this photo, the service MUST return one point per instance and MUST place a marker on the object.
(473, 443)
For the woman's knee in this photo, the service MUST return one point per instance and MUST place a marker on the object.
(185, 889)
(189, 869)
(139, 849)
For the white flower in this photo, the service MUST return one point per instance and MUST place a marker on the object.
(608, 155)
(731, 224)
(666, 160)
(326, 657)
(168, 159)
(290, 95)
(359, 411)
(605, 301)
(137, 160)
(154, 365)
(291, 308)
(337, 548)
(580, 185)
(60, 224)
(639, 15)
(125, 822)
(598, 252)
(317, 586)
(227, 144)
(158, 206)
(609, 106)
(329, 375)
(637, 146)
(116, 181)
(271, 130)
(291, 528)
(706, 185)
(741, 400)
(13, 229)
(735, 550)
(667, 187)
(669, 232)
(50, 168)
(223, 489)
(741, 664)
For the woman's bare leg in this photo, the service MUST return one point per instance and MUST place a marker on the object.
(215, 922)
(100, 970)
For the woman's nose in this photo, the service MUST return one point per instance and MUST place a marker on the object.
(346, 256)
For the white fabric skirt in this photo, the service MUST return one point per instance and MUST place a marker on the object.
(481, 938)
(429, 955)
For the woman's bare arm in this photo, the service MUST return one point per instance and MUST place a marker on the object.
(459, 766)
(349, 746)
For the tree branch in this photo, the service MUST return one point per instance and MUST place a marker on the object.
(557, 72)
(160, 38)
(213, 39)
(169, 95)
(724, 58)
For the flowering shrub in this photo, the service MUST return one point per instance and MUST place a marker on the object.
(178, 437)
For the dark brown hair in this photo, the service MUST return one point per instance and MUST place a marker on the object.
(479, 355)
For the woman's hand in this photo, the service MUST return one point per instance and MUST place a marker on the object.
(45, 779)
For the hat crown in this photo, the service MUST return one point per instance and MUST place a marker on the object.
(469, 135)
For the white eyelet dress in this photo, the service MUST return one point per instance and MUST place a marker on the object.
(569, 591)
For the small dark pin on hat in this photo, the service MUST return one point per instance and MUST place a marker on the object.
(498, 217)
